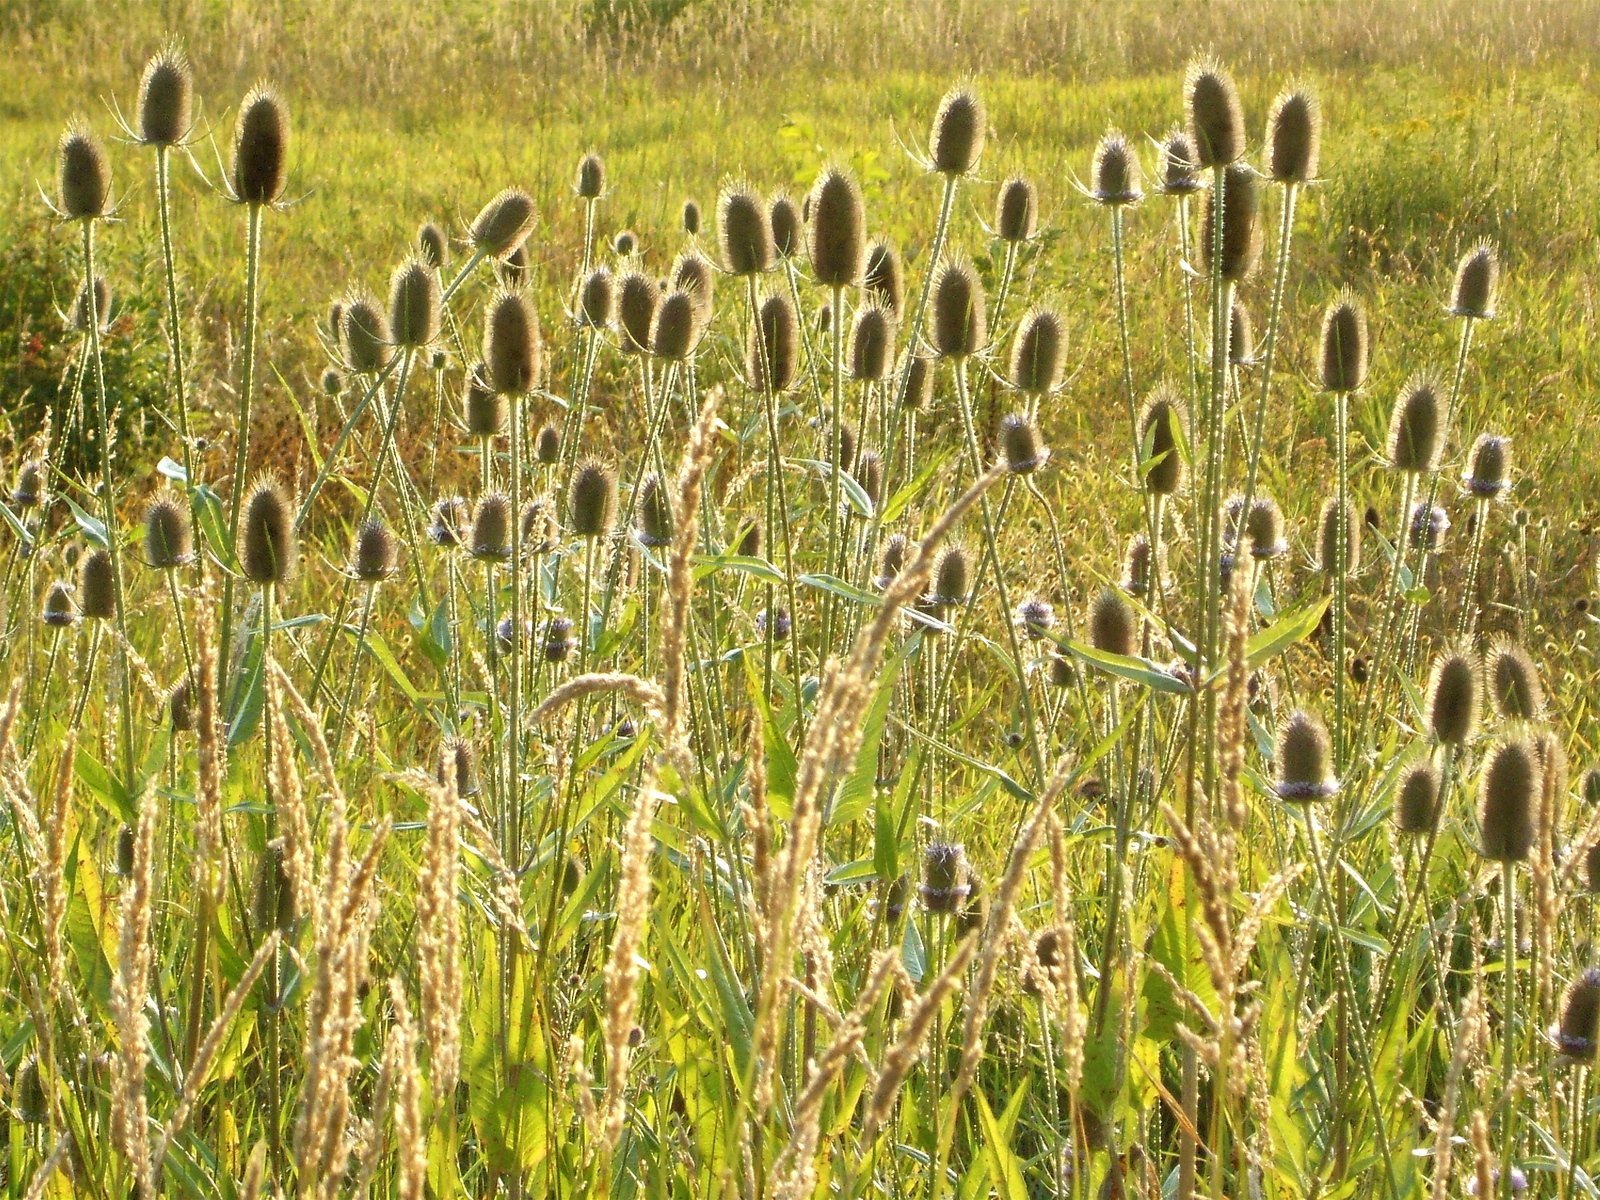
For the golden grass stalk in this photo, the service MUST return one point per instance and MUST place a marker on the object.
(130, 993)
(439, 939)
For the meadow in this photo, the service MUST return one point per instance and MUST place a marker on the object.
(651, 597)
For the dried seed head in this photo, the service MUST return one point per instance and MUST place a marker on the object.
(637, 299)
(788, 227)
(547, 445)
(781, 622)
(1241, 335)
(597, 299)
(1216, 118)
(1294, 137)
(261, 147)
(414, 304)
(58, 611)
(78, 320)
(1428, 527)
(1241, 224)
(1514, 682)
(1416, 427)
(559, 643)
(1022, 444)
(1113, 624)
(871, 344)
(166, 96)
(1136, 579)
(1180, 165)
(376, 555)
(512, 349)
(895, 551)
(883, 279)
(1507, 794)
(693, 274)
(491, 528)
(626, 243)
(1038, 354)
(332, 382)
(168, 541)
(869, 474)
(1304, 759)
(503, 224)
(959, 127)
(1161, 432)
(847, 445)
(458, 758)
(952, 578)
(1344, 345)
(838, 229)
(1035, 617)
(773, 355)
(1589, 787)
(483, 409)
(748, 544)
(946, 877)
(28, 1095)
(1488, 466)
(96, 587)
(653, 513)
(450, 520)
(591, 181)
(368, 346)
(541, 532)
(1115, 177)
(1263, 525)
(269, 552)
(1455, 687)
(1063, 671)
(919, 381)
(677, 327)
(959, 324)
(691, 218)
(180, 708)
(433, 246)
(1016, 210)
(1578, 1032)
(83, 175)
(744, 233)
(1473, 295)
(591, 500)
(1328, 538)
(272, 903)
(29, 491)
(1416, 799)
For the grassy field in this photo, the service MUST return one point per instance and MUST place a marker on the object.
(647, 859)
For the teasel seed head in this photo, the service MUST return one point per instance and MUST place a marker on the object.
(83, 175)
(895, 551)
(1038, 353)
(1022, 444)
(591, 500)
(744, 233)
(959, 128)
(1416, 427)
(59, 611)
(513, 351)
(1161, 432)
(1241, 224)
(1035, 617)
(78, 318)
(773, 355)
(1477, 277)
(28, 1096)
(272, 904)
(484, 410)
(166, 98)
(449, 523)
(368, 344)
(457, 757)
(1063, 671)
(838, 237)
(1216, 118)
(952, 579)
(653, 522)
(946, 877)
(1328, 537)
(1263, 525)
(869, 474)
(960, 327)
(332, 382)
(787, 225)
(414, 304)
(1344, 345)
(1113, 624)
(1241, 335)
(883, 279)
(376, 555)
(559, 642)
(1488, 466)
(168, 540)
(1508, 792)
(871, 344)
(1294, 137)
(30, 491)
(1428, 527)
(1514, 682)
(1591, 869)
(1577, 1033)
(779, 618)
(919, 381)
(98, 599)
(691, 218)
(1136, 579)
(693, 274)
(261, 147)
(503, 224)
(591, 181)
(180, 707)
(433, 246)
(541, 532)
(1455, 691)
(268, 553)
(676, 329)
(491, 528)
(547, 445)
(748, 543)
(1180, 165)
(1016, 210)
(1115, 177)
(637, 299)
(1304, 760)
(1416, 799)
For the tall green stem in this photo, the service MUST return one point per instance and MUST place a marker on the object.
(174, 324)
(1280, 273)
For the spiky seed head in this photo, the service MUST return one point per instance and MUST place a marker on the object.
(869, 474)
(180, 707)
(946, 877)
(59, 611)
(1063, 671)
(559, 642)
(597, 299)
(1113, 625)
(788, 226)
(653, 519)
(744, 233)
(1553, 762)
(78, 320)
(677, 327)
(1428, 526)
(1488, 466)
(782, 623)
(433, 246)
(960, 326)
(1241, 335)
(512, 348)
(1241, 224)
(513, 268)
(268, 553)
(1035, 617)
(959, 127)
(541, 532)
(547, 445)
(332, 382)
(1136, 579)
(1016, 210)
(376, 555)
(919, 382)
(368, 345)
(83, 175)
(168, 542)
(1416, 799)
(748, 544)
(893, 561)
(491, 528)
(871, 344)
(1589, 787)
(1263, 525)
(98, 597)
(336, 318)
(1180, 164)
(1294, 137)
(1477, 276)
(1344, 345)
(28, 1094)
(591, 181)
(626, 243)
(824, 319)
(591, 500)
(847, 445)
(1115, 177)
(691, 218)
(1161, 431)
(1577, 1033)
(458, 758)
(1328, 537)
(952, 578)
(1216, 118)
(838, 229)
(448, 526)
(261, 147)
(1514, 682)
(693, 274)
(1304, 759)
(484, 411)
(1038, 353)
(1416, 427)
(1508, 790)
(773, 354)
(1455, 690)
(1022, 444)
(503, 224)
(637, 299)
(166, 97)
(883, 279)
(29, 491)
(415, 304)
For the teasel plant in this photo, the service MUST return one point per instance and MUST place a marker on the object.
(373, 559)
(1181, 180)
(1485, 478)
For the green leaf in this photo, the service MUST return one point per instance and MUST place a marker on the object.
(210, 519)
(855, 794)
(380, 652)
(506, 1069)
(709, 564)
(1130, 667)
(174, 470)
(838, 587)
(1289, 629)
(93, 528)
(17, 526)
(1005, 1171)
(782, 766)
